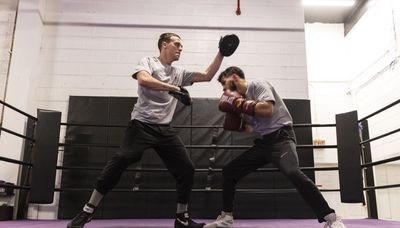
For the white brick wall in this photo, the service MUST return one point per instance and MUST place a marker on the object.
(330, 180)
(327, 83)
(90, 49)
(23, 68)
(255, 13)
(388, 200)
(329, 95)
(71, 63)
(375, 83)
(7, 18)
(366, 82)
(375, 75)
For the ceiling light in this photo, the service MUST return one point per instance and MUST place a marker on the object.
(328, 2)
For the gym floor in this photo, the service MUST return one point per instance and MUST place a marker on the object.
(165, 223)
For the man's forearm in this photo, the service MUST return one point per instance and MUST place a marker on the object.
(211, 70)
(147, 81)
(214, 66)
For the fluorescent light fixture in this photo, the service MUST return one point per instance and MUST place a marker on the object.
(328, 2)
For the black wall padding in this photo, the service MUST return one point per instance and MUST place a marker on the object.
(301, 114)
(204, 111)
(349, 152)
(45, 154)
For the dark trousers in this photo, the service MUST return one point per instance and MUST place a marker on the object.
(279, 148)
(163, 139)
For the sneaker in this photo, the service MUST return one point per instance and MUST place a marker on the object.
(223, 221)
(333, 221)
(83, 217)
(183, 220)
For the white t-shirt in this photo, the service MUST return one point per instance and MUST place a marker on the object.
(264, 91)
(155, 106)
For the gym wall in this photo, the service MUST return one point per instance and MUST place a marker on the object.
(89, 48)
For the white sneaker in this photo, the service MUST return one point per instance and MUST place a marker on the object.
(333, 221)
(223, 221)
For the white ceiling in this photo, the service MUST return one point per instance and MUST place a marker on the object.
(326, 14)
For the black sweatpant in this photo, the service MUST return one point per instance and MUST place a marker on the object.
(164, 140)
(279, 148)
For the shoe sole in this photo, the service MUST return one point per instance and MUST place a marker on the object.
(211, 226)
(71, 226)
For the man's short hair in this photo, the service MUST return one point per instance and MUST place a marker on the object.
(229, 71)
(166, 37)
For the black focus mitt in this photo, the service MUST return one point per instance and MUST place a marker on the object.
(228, 44)
(182, 95)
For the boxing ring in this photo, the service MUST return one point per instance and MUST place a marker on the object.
(34, 188)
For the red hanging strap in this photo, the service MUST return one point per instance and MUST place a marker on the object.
(238, 12)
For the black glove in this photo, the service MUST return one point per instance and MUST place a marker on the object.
(228, 44)
(182, 96)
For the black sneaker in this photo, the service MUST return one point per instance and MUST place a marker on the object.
(184, 221)
(83, 217)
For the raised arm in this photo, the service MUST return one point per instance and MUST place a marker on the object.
(211, 70)
(227, 46)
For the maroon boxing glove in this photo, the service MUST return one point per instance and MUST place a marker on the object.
(233, 122)
(235, 103)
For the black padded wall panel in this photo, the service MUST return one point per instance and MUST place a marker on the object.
(349, 158)
(45, 153)
(83, 110)
(116, 110)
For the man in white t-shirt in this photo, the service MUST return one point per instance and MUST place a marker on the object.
(160, 86)
(255, 106)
